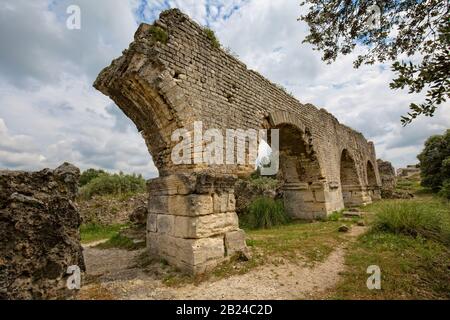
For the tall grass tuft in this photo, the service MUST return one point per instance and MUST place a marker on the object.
(430, 219)
(265, 213)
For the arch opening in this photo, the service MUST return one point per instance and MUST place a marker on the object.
(372, 185)
(351, 188)
(371, 177)
(300, 173)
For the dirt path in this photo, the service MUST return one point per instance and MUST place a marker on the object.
(117, 277)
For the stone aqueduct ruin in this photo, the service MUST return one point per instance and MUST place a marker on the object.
(165, 85)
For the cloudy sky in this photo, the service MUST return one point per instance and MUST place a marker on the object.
(49, 112)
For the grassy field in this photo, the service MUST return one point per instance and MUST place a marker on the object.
(307, 242)
(410, 241)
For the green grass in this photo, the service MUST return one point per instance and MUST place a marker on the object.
(264, 213)
(95, 232)
(428, 218)
(212, 37)
(310, 241)
(411, 268)
(408, 241)
(119, 241)
(408, 184)
(159, 34)
(335, 216)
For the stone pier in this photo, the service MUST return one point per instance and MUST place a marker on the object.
(192, 221)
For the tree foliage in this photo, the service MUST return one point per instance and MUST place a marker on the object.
(435, 162)
(90, 174)
(113, 184)
(413, 34)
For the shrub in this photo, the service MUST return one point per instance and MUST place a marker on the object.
(212, 37)
(89, 175)
(428, 219)
(445, 190)
(265, 213)
(113, 184)
(264, 183)
(159, 34)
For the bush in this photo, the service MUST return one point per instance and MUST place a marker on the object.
(265, 213)
(445, 190)
(89, 175)
(427, 219)
(264, 183)
(212, 37)
(159, 34)
(113, 184)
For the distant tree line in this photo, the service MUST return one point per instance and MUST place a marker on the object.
(95, 182)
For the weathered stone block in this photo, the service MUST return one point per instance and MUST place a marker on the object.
(319, 195)
(224, 202)
(235, 242)
(306, 195)
(190, 255)
(178, 205)
(170, 185)
(165, 224)
(152, 225)
(205, 226)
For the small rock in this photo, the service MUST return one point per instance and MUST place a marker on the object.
(344, 228)
(245, 255)
(361, 223)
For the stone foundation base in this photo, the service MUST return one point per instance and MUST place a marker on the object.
(192, 223)
(355, 195)
(311, 202)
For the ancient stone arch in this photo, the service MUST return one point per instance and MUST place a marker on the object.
(177, 84)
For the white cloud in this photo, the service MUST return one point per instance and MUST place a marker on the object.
(268, 38)
(17, 151)
(50, 113)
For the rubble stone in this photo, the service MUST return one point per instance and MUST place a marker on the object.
(39, 233)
